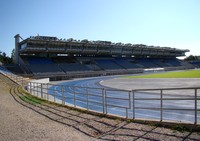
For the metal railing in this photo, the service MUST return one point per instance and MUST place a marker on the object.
(169, 104)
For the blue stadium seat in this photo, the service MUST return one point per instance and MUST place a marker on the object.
(107, 64)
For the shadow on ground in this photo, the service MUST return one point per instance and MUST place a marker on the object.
(100, 127)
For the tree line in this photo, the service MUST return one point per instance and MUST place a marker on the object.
(4, 59)
(192, 58)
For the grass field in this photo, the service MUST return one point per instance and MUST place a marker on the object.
(178, 74)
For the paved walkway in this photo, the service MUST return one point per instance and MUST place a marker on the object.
(20, 121)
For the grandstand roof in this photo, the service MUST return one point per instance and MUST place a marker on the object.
(70, 46)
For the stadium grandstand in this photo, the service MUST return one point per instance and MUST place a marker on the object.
(44, 56)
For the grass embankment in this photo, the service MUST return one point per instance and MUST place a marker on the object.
(177, 74)
(30, 98)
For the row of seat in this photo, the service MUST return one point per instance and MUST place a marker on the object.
(43, 65)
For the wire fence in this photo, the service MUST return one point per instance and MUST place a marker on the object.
(170, 104)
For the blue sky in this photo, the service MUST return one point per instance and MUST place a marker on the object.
(172, 23)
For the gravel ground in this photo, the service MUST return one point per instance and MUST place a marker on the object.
(19, 123)
(22, 121)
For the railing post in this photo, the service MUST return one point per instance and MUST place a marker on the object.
(37, 88)
(161, 105)
(54, 93)
(129, 96)
(47, 91)
(41, 90)
(74, 96)
(63, 97)
(133, 106)
(87, 98)
(103, 100)
(195, 108)
(129, 103)
(34, 89)
(30, 87)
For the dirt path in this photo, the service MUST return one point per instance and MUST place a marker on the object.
(19, 123)
(22, 121)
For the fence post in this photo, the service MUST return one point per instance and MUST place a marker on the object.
(129, 97)
(133, 106)
(74, 96)
(87, 98)
(129, 103)
(47, 91)
(103, 100)
(161, 105)
(195, 116)
(36, 85)
(63, 101)
(34, 90)
(41, 90)
(30, 87)
(54, 93)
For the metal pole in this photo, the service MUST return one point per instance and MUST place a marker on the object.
(34, 89)
(41, 90)
(47, 91)
(129, 97)
(54, 94)
(37, 88)
(195, 112)
(106, 102)
(31, 89)
(133, 105)
(129, 103)
(63, 101)
(161, 105)
(103, 100)
(74, 96)
(87, 98)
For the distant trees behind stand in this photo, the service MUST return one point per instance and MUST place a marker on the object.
(4, 59)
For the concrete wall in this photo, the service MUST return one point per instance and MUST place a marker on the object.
(43, 80)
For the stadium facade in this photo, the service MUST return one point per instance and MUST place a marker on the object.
(44, 56)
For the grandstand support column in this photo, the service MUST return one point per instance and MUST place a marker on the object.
(17, 40)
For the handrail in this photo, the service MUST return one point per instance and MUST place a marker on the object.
(134, 104)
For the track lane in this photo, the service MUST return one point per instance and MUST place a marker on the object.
(93, 87)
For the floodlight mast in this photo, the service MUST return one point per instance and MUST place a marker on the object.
(17, 40)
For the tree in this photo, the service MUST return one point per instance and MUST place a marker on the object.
(5, 59)
(4, 54)
(191, 58)
(13, 54)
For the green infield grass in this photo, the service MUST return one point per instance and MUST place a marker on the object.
(177, 74)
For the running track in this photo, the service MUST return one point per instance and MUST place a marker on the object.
(94, 88)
